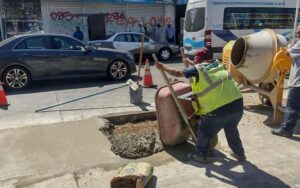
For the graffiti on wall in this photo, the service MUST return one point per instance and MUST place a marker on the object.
(65, 22)
(119, 18)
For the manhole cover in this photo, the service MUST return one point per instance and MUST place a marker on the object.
(134, 140)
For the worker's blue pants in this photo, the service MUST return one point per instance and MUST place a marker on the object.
(292, 111)
(212, 123)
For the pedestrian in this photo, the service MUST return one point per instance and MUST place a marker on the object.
(157, 33)
(141, 27)
(292, 110)
(221, 106)
(78, 34)
(170, 34)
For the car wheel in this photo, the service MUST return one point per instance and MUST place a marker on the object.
(118, 70)
(16, 78)
(265, 100)
(165, 54)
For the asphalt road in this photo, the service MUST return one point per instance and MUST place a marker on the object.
(41, 94)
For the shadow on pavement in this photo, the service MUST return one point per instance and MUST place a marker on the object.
(268, 112)
(223, 169)
(262, 110)
(68, 83)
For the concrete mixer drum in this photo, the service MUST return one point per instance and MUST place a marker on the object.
(252, 55)
(263, 61)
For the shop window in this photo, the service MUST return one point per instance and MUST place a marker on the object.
(21, 17)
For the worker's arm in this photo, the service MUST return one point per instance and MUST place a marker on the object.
(188, 61)
(169, 70)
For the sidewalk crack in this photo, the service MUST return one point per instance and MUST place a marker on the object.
(59, 109)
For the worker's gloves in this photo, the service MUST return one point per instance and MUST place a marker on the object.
(159, 66)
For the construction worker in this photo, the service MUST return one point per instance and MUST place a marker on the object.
(221, 106)
(200, 56)
(292, 111)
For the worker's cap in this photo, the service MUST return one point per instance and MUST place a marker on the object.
(295, 50)
(202, 55)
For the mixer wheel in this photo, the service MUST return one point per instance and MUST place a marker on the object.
(265, 100)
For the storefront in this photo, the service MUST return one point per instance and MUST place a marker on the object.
(19, 16)
(99, 18)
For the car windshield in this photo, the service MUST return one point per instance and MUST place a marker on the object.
(194, 19)
(2, 43)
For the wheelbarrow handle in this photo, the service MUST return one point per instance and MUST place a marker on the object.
(180, 108)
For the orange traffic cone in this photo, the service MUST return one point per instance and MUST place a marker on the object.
(148, 77)
(3, 99)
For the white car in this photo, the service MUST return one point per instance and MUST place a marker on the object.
(130, 41)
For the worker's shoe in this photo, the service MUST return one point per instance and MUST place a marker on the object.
(240, 158)
(282, 132)
(197, 157)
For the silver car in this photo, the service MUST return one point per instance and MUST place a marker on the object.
(130, 41)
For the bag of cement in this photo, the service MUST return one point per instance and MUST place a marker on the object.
(133, 175)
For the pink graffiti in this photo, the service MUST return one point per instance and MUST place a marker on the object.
(118, 18)
(67, 16)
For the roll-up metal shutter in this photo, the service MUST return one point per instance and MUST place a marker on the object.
(126, 16)
(64, 16)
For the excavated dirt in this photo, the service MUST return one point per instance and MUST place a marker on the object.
(134, 140)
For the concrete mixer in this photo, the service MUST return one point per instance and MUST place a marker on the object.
(259, 61)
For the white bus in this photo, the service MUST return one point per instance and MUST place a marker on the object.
(212, 23)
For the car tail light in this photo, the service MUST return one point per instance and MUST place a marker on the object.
(207, 38)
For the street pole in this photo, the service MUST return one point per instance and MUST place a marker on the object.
(296, 21)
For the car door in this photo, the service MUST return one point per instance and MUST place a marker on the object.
(149, 45)
(35, 52)
(124, 42)
(74, 58)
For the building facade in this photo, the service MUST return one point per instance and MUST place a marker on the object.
(98, 19)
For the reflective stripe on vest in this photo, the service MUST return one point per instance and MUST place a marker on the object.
(211, 84)
(215, 88)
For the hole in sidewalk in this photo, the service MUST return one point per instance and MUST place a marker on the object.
(133, 138)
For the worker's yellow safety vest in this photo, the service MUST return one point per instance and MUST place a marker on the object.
(214, 88)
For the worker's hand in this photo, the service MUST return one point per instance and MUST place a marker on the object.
(184, 60)
(159, 65)
(289, 46)
(190, 61)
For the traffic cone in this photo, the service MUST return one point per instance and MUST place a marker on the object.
(148, 77)
(3, 99)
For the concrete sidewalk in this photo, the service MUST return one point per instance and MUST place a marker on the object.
(77, 155)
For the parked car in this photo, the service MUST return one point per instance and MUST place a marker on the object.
(131, 42)
(42, 56)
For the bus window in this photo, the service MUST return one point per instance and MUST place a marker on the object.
(194, 19)
(258, 18)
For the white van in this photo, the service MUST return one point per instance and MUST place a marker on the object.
(212, 23)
